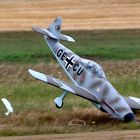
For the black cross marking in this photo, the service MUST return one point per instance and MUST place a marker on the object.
(69, 62)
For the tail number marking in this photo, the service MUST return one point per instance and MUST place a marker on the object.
(69, 62)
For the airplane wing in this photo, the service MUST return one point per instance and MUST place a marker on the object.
(77, 90)
(133, 102)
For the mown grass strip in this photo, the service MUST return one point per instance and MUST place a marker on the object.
(104, 44)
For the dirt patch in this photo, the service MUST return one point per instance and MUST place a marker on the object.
(121, 68)
(85, 14)
(19, 72)
(108, 135)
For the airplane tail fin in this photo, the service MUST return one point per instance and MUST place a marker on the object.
(55, 27)
(54, 31)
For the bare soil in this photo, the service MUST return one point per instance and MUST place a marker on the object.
(77, 14)
(18, 72)
(107, 135)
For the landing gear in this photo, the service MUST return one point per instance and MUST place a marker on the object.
(59, 100)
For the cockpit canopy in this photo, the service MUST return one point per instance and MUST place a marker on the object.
(94, 68)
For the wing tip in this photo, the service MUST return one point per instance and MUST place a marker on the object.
(38, 75)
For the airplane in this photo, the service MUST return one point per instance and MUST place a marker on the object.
(88, 78)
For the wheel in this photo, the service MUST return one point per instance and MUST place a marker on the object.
(59, 106)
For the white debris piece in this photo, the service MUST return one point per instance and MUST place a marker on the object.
(8, 106)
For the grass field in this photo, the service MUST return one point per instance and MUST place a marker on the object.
(105, 44)
(34, 112)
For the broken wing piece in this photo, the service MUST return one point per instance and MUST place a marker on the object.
(8, 106)
(77, 90)
(133, 102)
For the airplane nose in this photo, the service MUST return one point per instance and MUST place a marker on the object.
(129, 117)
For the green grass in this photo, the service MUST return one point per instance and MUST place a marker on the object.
(104, 44)
(127, 85)
(108, 44)
(39, 96)
(34, 110)
(20, 46)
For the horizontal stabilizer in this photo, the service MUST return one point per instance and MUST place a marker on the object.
(54, 31)
(44, 32)
(48, 33)
(133, 102)
(77, 90)
(66, 38)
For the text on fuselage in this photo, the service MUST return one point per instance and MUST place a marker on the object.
(69, 62)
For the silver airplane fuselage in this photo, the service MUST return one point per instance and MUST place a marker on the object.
(86, 74)
(80, 72)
